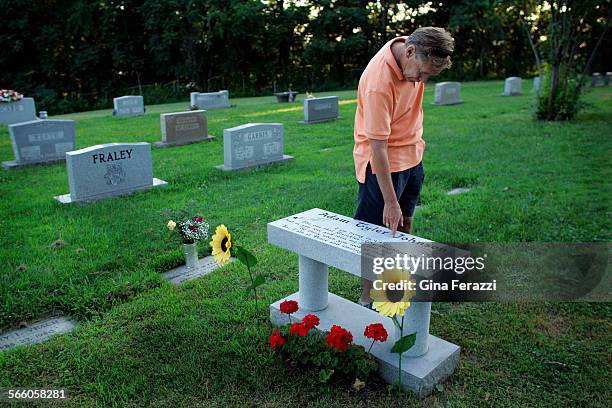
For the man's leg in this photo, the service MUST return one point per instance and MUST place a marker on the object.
(407, 228)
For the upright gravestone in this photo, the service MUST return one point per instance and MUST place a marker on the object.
(320, 109)
(448, 93)
(536, 84)
(183, 128)
(130, 105)
(210, 100)
(607, 78)
(512, 87)
(252, 145)
(595, 78)
(107, 170)
(16, 112)
(40, 141)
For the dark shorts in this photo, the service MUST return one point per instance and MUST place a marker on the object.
(407, 185)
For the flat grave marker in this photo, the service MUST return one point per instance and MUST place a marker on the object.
(252, 145)
(512, 86)
(180, 128)
(210, 100)
(459, 190)
(130, 105)
(37, 332)
(317, 110)
(108, 170)
(182, 274)
(16, 112)
(447, 93)
(40, 142)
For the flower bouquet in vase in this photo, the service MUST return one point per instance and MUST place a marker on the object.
(8, 96)
(191, 229)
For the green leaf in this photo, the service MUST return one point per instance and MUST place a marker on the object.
(325, 374)
(258, 281)
(404, 344)
(247, 258)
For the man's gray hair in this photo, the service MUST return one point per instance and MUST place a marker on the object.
(434, 45)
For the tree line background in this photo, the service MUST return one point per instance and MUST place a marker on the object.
(74, 55)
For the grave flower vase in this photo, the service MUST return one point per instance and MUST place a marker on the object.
(191, 255)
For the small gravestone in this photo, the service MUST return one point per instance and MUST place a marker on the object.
(448, 93)
(183, 128)
(595, 79)
(107, 170)
(130, 105)
(536, 84)
(512, 87)
(210, 100)
(183, 274)
(607, 78)
(37, 332)
(283, 97)
(459, 190)
(16, 112)
(252, 145)
(40, 141)
(320, 109)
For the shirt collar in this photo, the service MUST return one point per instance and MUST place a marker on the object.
(390, 59)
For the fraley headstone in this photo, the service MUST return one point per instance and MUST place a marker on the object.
(447, 93)
(210, 100)
(252, 145)
(181, 128)
(16, 112)
(107, 170)
(36, 332)
(320, 109)
(512, 86)
(40, 141)
(129, 105)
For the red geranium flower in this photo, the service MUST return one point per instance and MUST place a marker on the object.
(376, 332)
(289, 306)
(193, 228)
(310, 320)
(198, 219)
(276, 340)
(339, 338)
(299, 328)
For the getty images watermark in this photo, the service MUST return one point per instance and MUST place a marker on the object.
(488, 272)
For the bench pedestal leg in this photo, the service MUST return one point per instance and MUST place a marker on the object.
(313, 284)
(416, 320)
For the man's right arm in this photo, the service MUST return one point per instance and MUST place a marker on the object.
(392, 213)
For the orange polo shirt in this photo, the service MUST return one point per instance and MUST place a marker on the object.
(388, 108)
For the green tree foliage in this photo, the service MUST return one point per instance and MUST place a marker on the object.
(78, 54)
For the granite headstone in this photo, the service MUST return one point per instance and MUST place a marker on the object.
(16, 112)
(252, 145)
(595, 79)
(320, 109)
(107, 170)
(447, 93)
(607, 78)
(41, 141)
(129, 105)
(512, 86)
(181, 128)
(210, 100)
(536, 84)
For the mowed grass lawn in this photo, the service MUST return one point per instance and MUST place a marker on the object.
(145, 342)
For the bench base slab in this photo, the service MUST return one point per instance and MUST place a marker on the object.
(419, 374)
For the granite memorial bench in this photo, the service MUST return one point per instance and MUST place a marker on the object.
(322, 239)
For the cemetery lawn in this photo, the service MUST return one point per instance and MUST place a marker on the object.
(145, 342)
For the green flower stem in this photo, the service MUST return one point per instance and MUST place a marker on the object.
(254, 289)
(399, 379)
(371, 345)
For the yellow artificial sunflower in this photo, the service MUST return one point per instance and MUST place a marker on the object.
(392, 301)
(221, 244)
